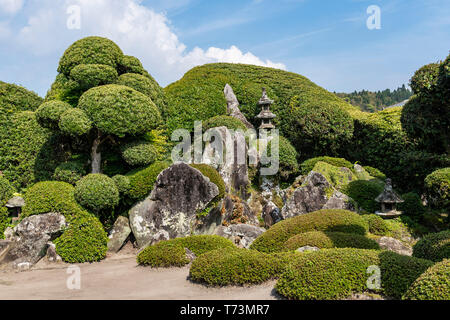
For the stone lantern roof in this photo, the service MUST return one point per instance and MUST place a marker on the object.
(389, 195)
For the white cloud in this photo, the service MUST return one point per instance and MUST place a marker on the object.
(138, 30)
(10, 6)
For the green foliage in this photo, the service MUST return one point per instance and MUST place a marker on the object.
(377, 225)
(323, 220)
(130, 64)
(336, 176)
(64, 89)
(213, 176)
(4, 221)
(119, 110)
(140, 153)
(6, 190)
(142, 180)
(331, 274)
(83, 241)
(97, 192)
(93, 75)
(307, 166)
(288, 164)
(74, 122)
(69, 172)
(49, 113)
(433, 284)
(374, 172)
(364, 193)
(433, 246)
(224, 121)
(437, 186)
(321, 240)
(412, 206)
(122, 183)
(425, 78)
(90, 50)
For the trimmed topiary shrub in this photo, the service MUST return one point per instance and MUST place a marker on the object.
(321, 240)
(437, 186)
(307, 166)
(49, 113)
(364, 193)
(287, 154)
(93, 75)
(201, 244)
(140, 153)
(434, 284)
(122, 183)
(213, 176)
(377, 225)
(74, 122)
(70, 172)
(413, 206)
(224, 121)
(97, 192)
(374, 172)
(323, 220)
(331, 274)
(143, 180)
(433, 246)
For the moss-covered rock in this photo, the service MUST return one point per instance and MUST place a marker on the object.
(309, 164)
(338, 177)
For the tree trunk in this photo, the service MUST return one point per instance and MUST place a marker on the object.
(96, 156)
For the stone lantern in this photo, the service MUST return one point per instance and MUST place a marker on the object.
(265, 115)
(15, 206)
(389, 200)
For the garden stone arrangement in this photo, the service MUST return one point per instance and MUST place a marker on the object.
(87, 172)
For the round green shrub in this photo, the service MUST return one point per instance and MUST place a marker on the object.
(224, 121)
(413, 206)
(321, 240)
(377, 225)
(434, 284)
(122, 183)
(433, 246)
(6, 190)
(144, 85)
(49, 113)
(119, 110)
(75, 122)
(364, 193)
(331, 274)
(287, 157)
(90, 50)
(140, 153)
(213, 176)
(93, 75)
(323, 220)
(130, 64)
(425, 78)
(142, 180)
(309, 164)
(85, 240)
(374, 172)
(70, 172)
(437, 186)
(97, 192)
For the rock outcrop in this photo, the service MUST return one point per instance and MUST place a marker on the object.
(119, 234)
(241, 234)
(233, 106)
(392, 244)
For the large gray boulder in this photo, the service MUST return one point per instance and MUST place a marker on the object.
(119, 234)
(31, 238)
(241, 234)
(394, 245)
(179, 194)
(314, 194)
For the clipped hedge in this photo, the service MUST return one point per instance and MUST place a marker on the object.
(331, 274)
(323, 220)
(437, 186)
(364, 193)
(321, 240)
(49, 113)
(140, 153)
(377, 225)
(75, 122)
(142, 180)
(433, 246)
(70, 172)
(224, 121)
(309, 164)
(93, 75)
(433, 284)
(97, 192)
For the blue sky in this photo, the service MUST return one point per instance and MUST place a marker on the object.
(327, 40)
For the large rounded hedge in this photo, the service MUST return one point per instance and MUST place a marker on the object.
(425, 78)
(437, 186)
(364, 193)
(323, 220)
(70, 172)
(434, 246)
(97, 192)
(377, 225)
(331, 274)
(434, 284)
(75, 122)
(120, 110)
(213, 176)
(142, 180)
(49, 113)
(93, 75)
(140, 153)
(90, 50)
(321, 240)
(224, 121)
(309, 164)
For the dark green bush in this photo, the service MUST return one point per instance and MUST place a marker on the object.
(142, 180)
(224, 121)
(321, 240)
(437, 186)
(90, 50)
(70, 172)
(425, 78)
(377, 225)
(64, 89)
(75, 122)
(49, 113)
(331, 274)
(93, 75)
(412, 206)
(323, 220)
(213, 176)
(433, 246)
(140, 153)
(122, 183)
(287, 154)
(374, 172)
(309, 164)
(364, 193)
(97, 192)
(136, 114)
(433, 284)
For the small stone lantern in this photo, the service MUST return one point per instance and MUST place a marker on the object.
(389, 200)
(15, 205)
(266, 115)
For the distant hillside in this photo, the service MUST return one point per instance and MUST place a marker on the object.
(375, 101)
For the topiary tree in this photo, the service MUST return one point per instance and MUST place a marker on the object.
(97, 192)
(437, 186)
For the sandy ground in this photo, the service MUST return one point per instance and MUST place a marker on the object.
(119, 277)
